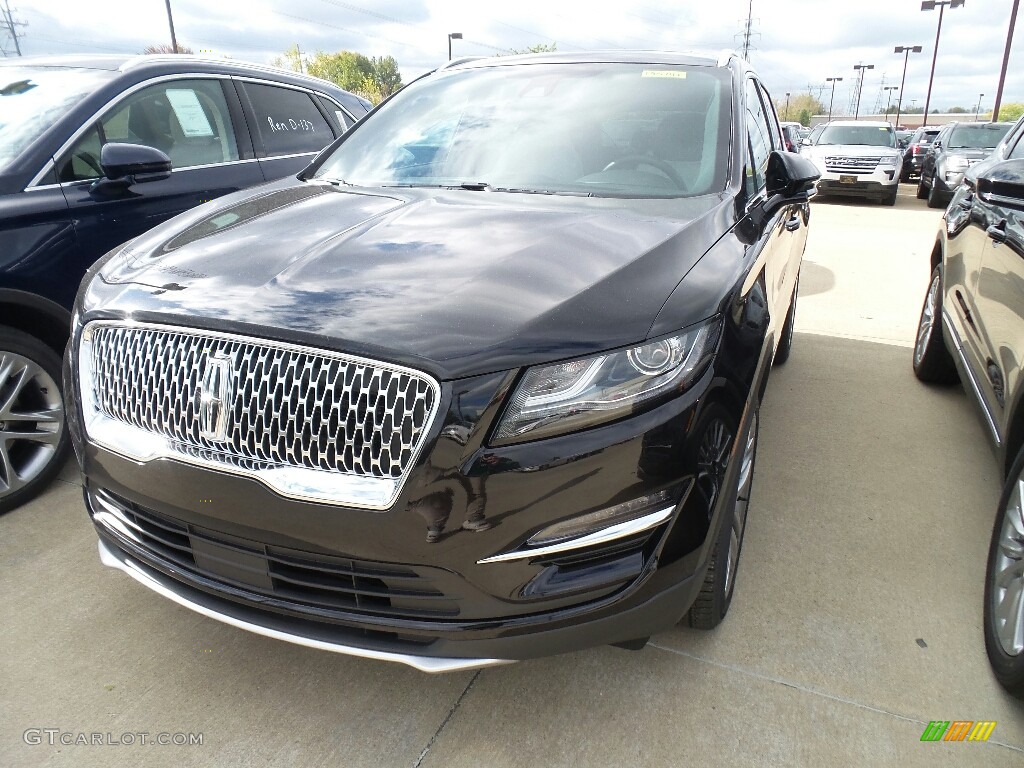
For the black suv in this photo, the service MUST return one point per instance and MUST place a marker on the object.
(476, 386)
(93, 152)
(972, 328)
(956, 148)
(915, 151)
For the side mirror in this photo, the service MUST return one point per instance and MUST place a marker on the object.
(1003, 184)
(805, 142)
(124, 165)
(789, 176)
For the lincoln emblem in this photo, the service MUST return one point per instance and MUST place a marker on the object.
(215, 397)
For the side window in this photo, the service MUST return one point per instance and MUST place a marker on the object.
(758, 138)
(773, 119)
(344, 122)
(1018, 151)
(189, 120)
(287, 120)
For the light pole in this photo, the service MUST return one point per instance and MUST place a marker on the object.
(832, 80)
(1006, 60)
(860, 83)
(977, 110)
(170, 23)
(929, 5)
(906, 50)
(452, 36)
(787, 106)
(888, 97)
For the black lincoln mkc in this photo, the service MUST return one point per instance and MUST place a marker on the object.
(480, 384)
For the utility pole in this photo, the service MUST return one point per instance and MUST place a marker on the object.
(748, 32)
(1006, 60)
(931, 5)
(7, 21)
(860, 84)
(170, 23)
(298, 55)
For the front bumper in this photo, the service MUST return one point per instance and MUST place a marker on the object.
(877, 185)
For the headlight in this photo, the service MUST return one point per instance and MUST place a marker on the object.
(564, 397)
(956, 164)
(889, 161)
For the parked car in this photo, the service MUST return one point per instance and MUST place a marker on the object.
(791, 136)
(474, 387)
(903, 138)
(856, 159)
(955, 149)
(83, 141)
(916, 150)
(972, 328)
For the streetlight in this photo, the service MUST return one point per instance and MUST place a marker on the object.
(906, 50)
(929, 5)
(860, 83)
(977, 110)
(787, 106)
(888, 97)
(452, 36)
(832, 80)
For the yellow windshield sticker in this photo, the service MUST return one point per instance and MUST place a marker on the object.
(663, 73)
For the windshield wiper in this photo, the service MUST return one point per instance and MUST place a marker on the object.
(475, 186)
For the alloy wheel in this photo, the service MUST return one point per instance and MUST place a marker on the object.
(31, 421)
(929, 316)
(1007, 576)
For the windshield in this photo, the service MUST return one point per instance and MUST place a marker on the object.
(866, 135)
(977, 136)
(635, 130)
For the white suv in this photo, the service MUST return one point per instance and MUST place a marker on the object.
(857, 158)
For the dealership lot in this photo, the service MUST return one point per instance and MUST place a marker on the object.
(856, 621)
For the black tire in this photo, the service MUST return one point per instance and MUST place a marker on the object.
(30, 385)
(890, 199)
(719, 584)
(786, 342)
(936, 199)
(932, 362)
(922, 190)
(1006, 553)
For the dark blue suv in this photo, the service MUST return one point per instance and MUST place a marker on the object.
(94, 151)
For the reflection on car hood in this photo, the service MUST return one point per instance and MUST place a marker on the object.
(853, 150)
(458, 282)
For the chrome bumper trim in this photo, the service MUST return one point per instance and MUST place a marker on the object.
(172, 590)
(605, 535)
(975, 386)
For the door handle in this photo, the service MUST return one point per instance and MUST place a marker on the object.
(997, 232)
(794, 223)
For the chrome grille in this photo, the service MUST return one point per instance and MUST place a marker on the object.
(290, 406)
(841, 164)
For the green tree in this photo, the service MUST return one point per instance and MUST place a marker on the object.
(798, 104)
(386, 75)
(374, 79)
(538, 48)
(1011, 112)
(956, 111)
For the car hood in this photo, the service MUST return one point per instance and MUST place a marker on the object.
(457, 282)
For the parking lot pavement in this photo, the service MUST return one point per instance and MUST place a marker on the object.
(856, 621)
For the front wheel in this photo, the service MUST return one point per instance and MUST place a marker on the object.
(716, 592)
(922, 190)
(1004, 586)
(890, 199)
(935, 198)
(33, 432)
(932, 362)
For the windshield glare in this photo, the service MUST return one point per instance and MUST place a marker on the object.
(34, 98)
(636, 130)
(867, 135)
(977, 136)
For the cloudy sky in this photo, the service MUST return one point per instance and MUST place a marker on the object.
(797, 43)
